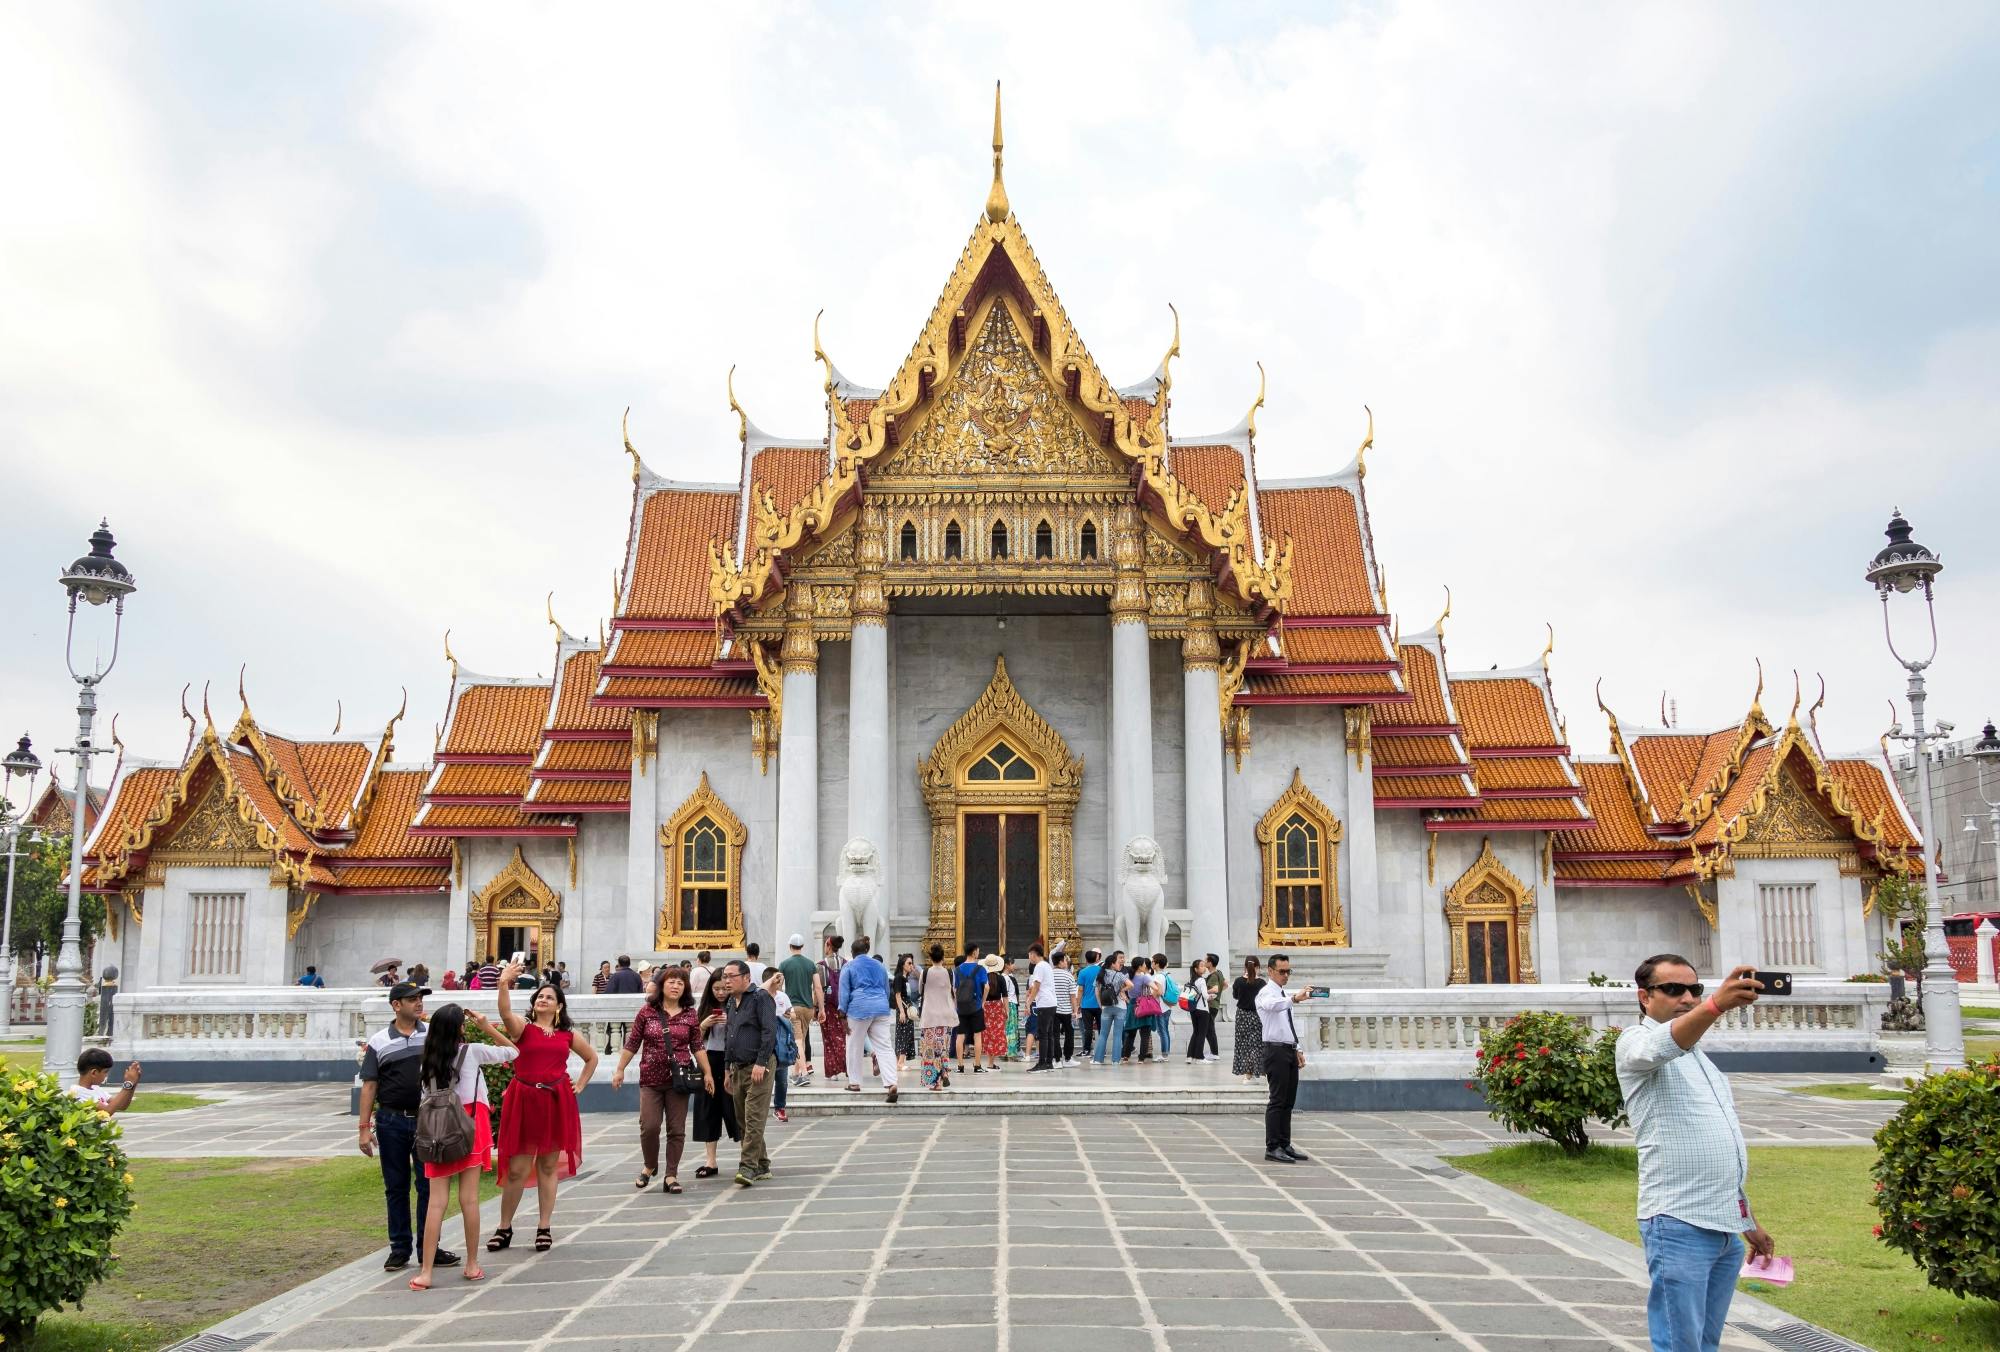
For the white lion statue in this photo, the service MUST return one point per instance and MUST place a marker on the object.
(1139, 913)
(861, 895)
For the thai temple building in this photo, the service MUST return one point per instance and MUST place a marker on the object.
(1002, 653)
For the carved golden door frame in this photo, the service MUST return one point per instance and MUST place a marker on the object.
(1000, 711)
(1489, 891)
(516, 896)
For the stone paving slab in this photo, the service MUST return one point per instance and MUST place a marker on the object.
(1170, 1234)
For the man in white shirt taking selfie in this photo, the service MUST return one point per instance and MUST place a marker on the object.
(1693, 1166)
(1284, 1058)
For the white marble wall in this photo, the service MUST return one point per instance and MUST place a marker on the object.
(1412, 914)
(163, 950)
(717, 742)
(1613, 929)
(345, 936)
(1312, 739)
(1848, 941)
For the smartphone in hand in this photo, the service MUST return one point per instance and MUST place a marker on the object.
(1773, 983)
(1321, 992)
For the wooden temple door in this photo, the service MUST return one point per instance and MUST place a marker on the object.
(1002, 884)
(1489, 952)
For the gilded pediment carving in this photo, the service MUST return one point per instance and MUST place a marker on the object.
(214, 824)
(1000, 415)
(1790, 817)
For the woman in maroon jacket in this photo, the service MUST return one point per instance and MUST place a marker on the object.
(665, 1032)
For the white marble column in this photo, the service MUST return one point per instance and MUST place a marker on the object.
(645, 858)
(798, 773)
(868, 791)
(1131, 798)
(1201, 738)
(1361, 883)
(458, 914)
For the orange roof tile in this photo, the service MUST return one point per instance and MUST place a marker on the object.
(670, 568)
(384, 832)
(1666, 764)
(483, 781)
(1504, 811)
(136, 797)
(502, 720)
(1212, 472)
(1361, 684)
(1344, 644)
(249, 779)
(1872, 793)
(680, 688)
(1523, 772)
(1421, 677)
(336, 770)
(581, 792)
(573, 710)
(1329, 567)
(1422, 786)
(1397, 752)
(399, 878)
(1507, 712)
(449, 818)
(610, 758)
(663, 648)
(1616, 825)
(1611, 870)
(788, 473)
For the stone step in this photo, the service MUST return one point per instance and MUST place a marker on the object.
(923, 1103)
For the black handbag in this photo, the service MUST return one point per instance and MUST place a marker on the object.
(687, 1077)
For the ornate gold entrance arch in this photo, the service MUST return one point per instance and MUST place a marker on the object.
(516, 896)
(953, 780)
(1493, 906)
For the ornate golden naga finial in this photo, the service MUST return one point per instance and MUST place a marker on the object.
(242, 698)
(1812, 714)
(1250, 418)
(1883, 742)
(1663, 710)
(1173, 350)
(1757, 696)
(192, 729)
(996, 200)
(625, 430)
(401, 709)
(1549, 649)
(742, 418)
(206, 716)
(448, 656)
(549, 608)
(1798, 696)
(1439, 626)
(1361, 456)
(819, 353)
(339, 713)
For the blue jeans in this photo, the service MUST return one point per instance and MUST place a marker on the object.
(1165, 1021)
(1111, 1034)
(1694, 1277)
(396, 1147)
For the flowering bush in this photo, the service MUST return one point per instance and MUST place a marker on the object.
(1937, 1180)
(1543, 1072)
(64, 1192)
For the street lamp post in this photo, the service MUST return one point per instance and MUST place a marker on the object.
(1904, 566)
(95, 578)
(20, 763)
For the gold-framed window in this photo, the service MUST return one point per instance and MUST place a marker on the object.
(1299, 841)
(704, 855)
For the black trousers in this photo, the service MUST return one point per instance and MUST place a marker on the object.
(1045, 1037)
(1281, 1068)
(1065, 1037)
(1213, 1050)
(1203, 1033)
(1092, 1019)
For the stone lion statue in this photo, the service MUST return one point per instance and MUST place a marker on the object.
(1139, 911)
(861, 895)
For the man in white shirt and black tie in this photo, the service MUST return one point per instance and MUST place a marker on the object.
(1284, 1057)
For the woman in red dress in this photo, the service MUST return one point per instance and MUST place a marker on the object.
(540, 1129)
(993, 1036)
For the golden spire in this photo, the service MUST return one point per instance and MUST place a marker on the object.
(1361, 456)
(996, 200)
(389, 733)
(625, 427)
(1549, 649)
(206, 716)
(1812, 714)
(1602, 708)
(1757, 697)
(742, 418)
(549, 605)
(242, 698)
(819, 354)
(1798, 697)
(1173, 350)
(1439, 626)
(338, 714)
(1250, 418)
(448, 657)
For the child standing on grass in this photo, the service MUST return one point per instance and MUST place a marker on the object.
(450, 1060)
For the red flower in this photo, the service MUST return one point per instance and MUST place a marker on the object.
(1517, 1079)
(1544, 1051)
(1916, 1225)
(1520, 1054)
(1877, 1232)
(1470, 1085)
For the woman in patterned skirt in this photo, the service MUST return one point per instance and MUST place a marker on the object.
(832, 1022)
(1249, 1052)
(905, 993)
(993, 1032)
(937, 1020)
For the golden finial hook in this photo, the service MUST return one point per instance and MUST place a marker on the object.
(819, 353)
(616, 592)
(996, 200)
(1598, 692)
(1439, 626)
(1549, 649)
(1250, 419)
(1757, 697)
(549, 605)
(448, 655)
(339, 713)
(1663, 710)
(240, 696)
(742, 418)
(1812, 714)
(402, 708)
(206, 716)
(1173, 350)
(625, 429)
(114, 736)
(1361, 456)
(1797, 697)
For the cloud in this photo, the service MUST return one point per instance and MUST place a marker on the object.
(1659, 308)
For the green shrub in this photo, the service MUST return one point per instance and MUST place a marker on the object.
(64, 1192)
(1545, 1073)
(1867, 978)
(1937, 1181)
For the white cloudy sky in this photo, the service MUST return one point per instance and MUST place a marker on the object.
(333, 310)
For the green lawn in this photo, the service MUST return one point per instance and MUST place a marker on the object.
(1815, 1202)
(1980, 1012)
(146, 1101)
(275, 1223)
(1851, 1091)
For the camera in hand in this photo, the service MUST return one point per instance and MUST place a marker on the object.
(1774, 983)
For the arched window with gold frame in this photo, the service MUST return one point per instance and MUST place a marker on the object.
(704, 848)
(1087, 541)
(1299, 842)
(999, 540)
(1045, 540)
(906, 543)
(954, 541)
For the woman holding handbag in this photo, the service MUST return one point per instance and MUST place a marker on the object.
(451, 1061)
(1146, 1006)
(1194, 998)
(905, 993)
(667, 1038)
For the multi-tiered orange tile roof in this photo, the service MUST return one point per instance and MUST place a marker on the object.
(584, 761)
(1520, 759)
(492, 732)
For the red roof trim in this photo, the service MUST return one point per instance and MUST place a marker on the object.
(1418, 771)
(483, 758)
(1502, 752)
(662, 624)
(1566, 824)
(555, 830)
(687, 702)
(581, 735)
(1249, 697)
(576, 807)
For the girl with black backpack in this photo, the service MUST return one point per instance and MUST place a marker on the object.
(454, 1125)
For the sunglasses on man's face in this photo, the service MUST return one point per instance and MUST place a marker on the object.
(1679, 988)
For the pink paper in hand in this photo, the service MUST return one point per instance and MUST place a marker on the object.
(1775, 1271)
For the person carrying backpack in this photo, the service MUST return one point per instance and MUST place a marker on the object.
(454, 1134)
(969, 993)
(1112, 984)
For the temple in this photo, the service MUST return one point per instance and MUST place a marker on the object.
(1059, 670)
